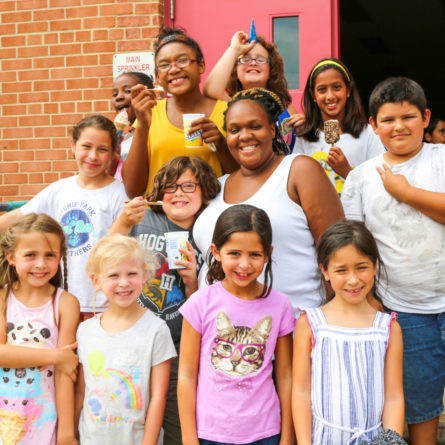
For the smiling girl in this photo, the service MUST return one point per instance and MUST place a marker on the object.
(179, 66)
(331, 93)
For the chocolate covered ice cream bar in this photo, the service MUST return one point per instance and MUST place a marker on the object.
(331, 131)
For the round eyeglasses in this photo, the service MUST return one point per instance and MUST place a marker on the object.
(258, 60)
(250, 352)
(183, 62)
(186, 187)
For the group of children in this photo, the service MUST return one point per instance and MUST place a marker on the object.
(248, 372)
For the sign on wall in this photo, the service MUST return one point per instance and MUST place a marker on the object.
(143, 62)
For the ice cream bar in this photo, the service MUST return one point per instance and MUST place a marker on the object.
(121, 120)
(252, 34)
(331, 131)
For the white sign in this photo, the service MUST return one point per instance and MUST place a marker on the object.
(141, 62)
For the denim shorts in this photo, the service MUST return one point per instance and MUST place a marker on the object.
(272, 440)
(423, 365)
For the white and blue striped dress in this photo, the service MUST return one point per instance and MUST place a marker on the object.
(347, 379)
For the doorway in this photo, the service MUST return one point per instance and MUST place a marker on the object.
(384, 38)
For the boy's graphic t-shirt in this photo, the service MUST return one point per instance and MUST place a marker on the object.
(236, 400)
(27, 395)
(117, 371)
(164, 293)
(85, 216)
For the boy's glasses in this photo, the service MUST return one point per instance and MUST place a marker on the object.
(183, 62)
(250, 352)
(258, 60)
(186, 187)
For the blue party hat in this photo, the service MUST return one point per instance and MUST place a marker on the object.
(252, 35)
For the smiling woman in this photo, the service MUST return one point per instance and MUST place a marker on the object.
(179, 65)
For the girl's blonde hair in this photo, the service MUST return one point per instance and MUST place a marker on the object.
(34, 222)
(116, 248)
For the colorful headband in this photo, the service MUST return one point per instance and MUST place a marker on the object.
(260, 92)
(173, 38)
(328, 62)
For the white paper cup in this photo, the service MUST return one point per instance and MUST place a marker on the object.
(193, 140)
(174, 241)
(159, 92)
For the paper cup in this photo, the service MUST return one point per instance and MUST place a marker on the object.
(159, 92)
(174, 241)
(193, 140)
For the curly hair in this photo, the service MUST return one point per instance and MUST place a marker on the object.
(173, 169)
(354, 120)
(271, 104)
(168, 35)
(277, 80)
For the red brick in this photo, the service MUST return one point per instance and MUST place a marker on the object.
(66, 119)
(81, 60)
(106, 59)
(68, 49)
(9, 167)
(100, 34)
(72, 84)
(116, 34)
(34, 39)
(67, 107)
(33, 144)
(49, 62)
(22, 155)
(50, 177)
(35, 166)
(60, 143)
(16, 178)
(32, 190)
(66, 73)
(98, 22)
(33, 74)
(96, 71)
(33, 97)
(16, 87)
(50, 108)
(106, 82)
(18, 64)
(35, 108)
(51, 38)
(32, 51)
(135, 20)
(14, 41)
(8, 76)
(115, 10)
(100, 106)
(8, 122)
(48, 85)
(31, 121)
(96, 94)
(84, 107)
(32, 4)
(148, 8)
(7, 6)
(83, 36)
(133, 45)
(65, 25)
(15, 17)
(35, 178)
(41, 132)
(99, 47)
(49, 14)
(9, 190)
(7, 29)
(84, 11)
(133, 33)
(66, 37)
(25, 28)
(64, 3)
(50, 155)
(65, 165)
(8, 53)
(8, 99)
(94, 2)
(148, 33)
(9, 133)
(13, 110)
(62, 96)
(157, 20)
(67, 174)
(8, 145)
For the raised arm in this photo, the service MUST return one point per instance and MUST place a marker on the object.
(188, 381)
(136, 166)
(132, 213)
(431, 204)
(68, 322)
(393, 416)
(217, 80)
(310, 187)
(301, 382)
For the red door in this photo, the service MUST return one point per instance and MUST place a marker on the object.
(308, 32)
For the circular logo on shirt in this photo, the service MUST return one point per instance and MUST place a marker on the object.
(77, 227)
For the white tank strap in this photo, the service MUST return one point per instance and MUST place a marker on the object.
(359, 435)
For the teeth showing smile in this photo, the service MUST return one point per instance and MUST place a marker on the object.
(38, 274)
(126, 293)
(179, 203)
(248, 148)
(177, 80)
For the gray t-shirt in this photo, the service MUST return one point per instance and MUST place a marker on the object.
(164, 293)
(117, 370)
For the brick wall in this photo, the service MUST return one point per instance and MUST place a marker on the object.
(56, 67)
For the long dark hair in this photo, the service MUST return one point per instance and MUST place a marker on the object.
(241, 218)
(354, 120)
(348, 232)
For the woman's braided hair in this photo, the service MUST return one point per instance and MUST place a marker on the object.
(272, 105)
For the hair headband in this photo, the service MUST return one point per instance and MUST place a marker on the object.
(327, 62)
(173, 38)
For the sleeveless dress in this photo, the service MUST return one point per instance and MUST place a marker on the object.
(27, 395)
(347, 379)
